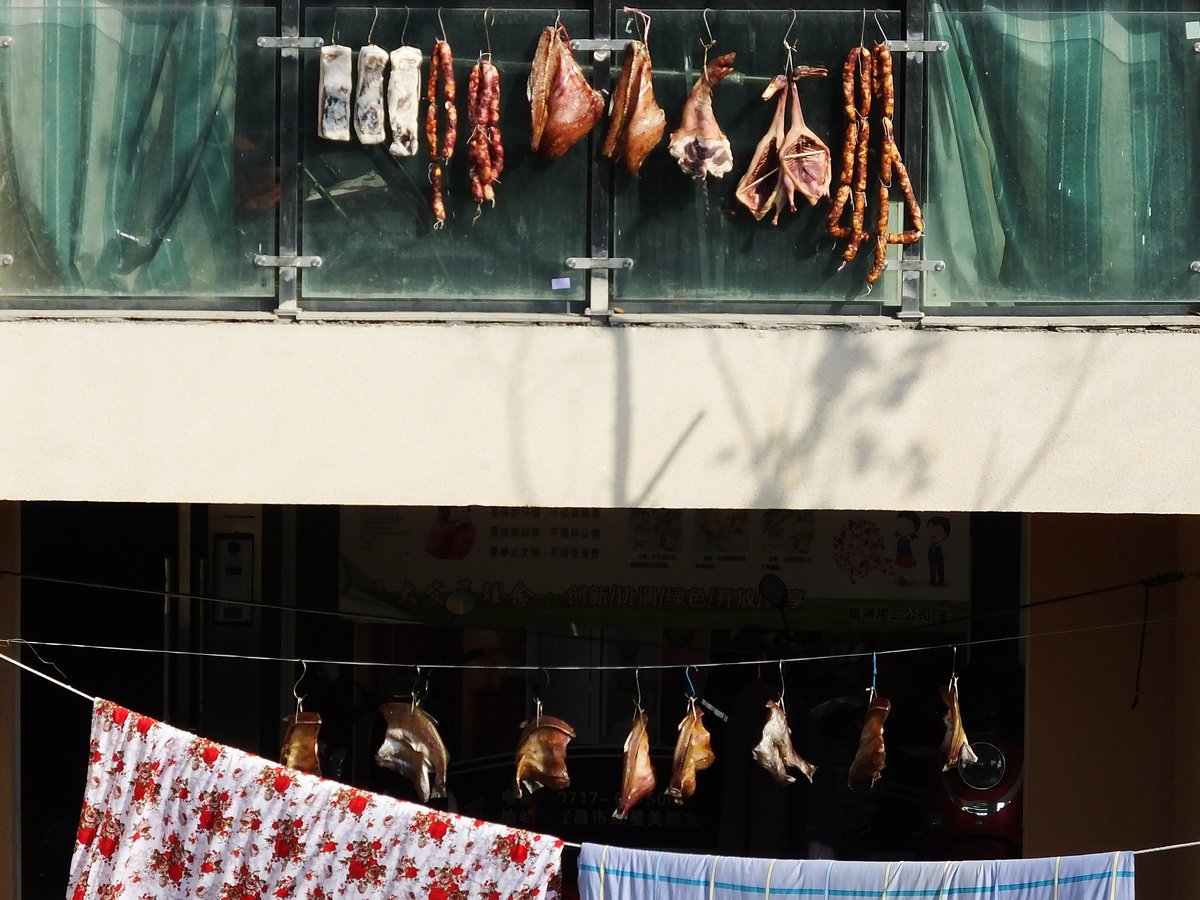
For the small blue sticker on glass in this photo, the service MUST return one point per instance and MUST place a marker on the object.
(560, 284)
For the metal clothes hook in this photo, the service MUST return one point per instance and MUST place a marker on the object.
(487, 34)
(687, 673)
(371, 33)
(441, 23)
(637, 680)
(645, 21)
(296, 687)
(882, 33)
(404, 33)
(782, 686)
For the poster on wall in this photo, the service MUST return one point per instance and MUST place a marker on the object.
(832, 570)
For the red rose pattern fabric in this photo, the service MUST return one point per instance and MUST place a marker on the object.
(169, 814)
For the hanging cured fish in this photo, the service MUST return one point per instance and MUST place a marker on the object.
(542, 754)
(637, 780)
(693, 753)
(564, 106)
(871, 758)
(637, 122)
(775, 752)
(413, 748)
(699, 144)
(299, 750)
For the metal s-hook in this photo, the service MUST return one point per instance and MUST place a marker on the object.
(487, 34)
(874, 674)
(371, 33)
(404, 32)
(712, 41)
(637, 680)
(441, 23)
(882, 33)
(687, 673)
(416, 688)
(296, 687)
(782, 686)
(645, 17)
(790, 48)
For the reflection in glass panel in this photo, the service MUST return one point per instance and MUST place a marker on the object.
(369, 216)
(1060, 148)
(137, 146)
(694, 244)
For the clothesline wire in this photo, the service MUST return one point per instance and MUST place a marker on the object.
(1157, 580)
(862, 654)
(74, 690)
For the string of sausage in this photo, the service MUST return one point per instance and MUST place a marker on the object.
(865, 74)
(484, 146)
(441, 147)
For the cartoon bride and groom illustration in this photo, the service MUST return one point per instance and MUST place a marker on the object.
(937, 529)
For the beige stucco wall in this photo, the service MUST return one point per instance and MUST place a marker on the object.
(559, 415)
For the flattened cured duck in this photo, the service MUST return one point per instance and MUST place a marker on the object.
(760, 188)
(299, 750)
(804, 162)
(637, 122)
(775, 752)
(564, 106)
(637, 780)
(699, 144)
(954, 744)
(413, 748)
(542, 754)
(693, 753)
(871, 758)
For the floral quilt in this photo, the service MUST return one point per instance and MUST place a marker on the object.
(169, 814)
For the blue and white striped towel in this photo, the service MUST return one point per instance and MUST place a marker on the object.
(613, 873)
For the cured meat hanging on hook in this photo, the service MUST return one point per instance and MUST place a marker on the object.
(637, 777)
(542, 754)
(637, 122)
(333, 98)
(404, 93)
(775, 751)
(368, 102)
(954, 744)
(563, 106)
(699, 144)
(867, 74)
(871, 758)
(693, 753)
(484, 146)
(789, 158)
(440, 131)
(299, 750)
(413, 748)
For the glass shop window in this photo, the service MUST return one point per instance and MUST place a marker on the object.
(138, 146)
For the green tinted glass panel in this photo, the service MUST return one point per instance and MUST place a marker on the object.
(1060, 150)
(696, 246)
(137, 152)
(368, 215)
